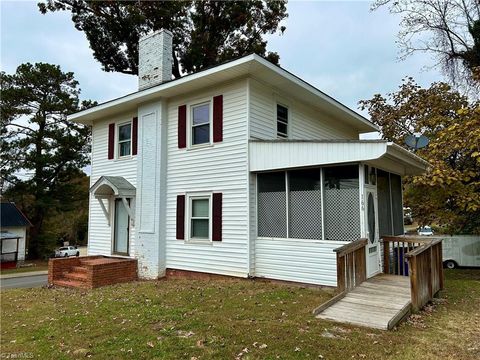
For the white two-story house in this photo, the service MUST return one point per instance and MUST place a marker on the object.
(243, 170)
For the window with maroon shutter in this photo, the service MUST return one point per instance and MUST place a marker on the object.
(180, 217)
(134, 135)
(218, 118)
(217, 217)
(182, 126)
(111, 141)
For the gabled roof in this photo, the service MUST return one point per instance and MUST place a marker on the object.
(112, 185)
(10, 215)
(251, 65)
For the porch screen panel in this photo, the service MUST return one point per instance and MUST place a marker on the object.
(397, 204)
(272, 205)
(384, 204)
(305, 204)
(341, 203)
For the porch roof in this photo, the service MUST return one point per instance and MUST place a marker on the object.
(267, 155)
(112, 185)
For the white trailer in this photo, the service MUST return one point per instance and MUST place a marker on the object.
(461, 250)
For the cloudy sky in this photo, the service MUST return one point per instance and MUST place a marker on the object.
(340, 47)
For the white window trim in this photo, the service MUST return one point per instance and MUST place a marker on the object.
(117, 141)
(194, 196)
(203, 101)
(289, 118)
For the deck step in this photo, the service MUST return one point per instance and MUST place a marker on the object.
(70, 283)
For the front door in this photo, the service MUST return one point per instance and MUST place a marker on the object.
(371, 224)
(121, 229)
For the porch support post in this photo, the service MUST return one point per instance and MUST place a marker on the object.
(129, 210)
(105, 211)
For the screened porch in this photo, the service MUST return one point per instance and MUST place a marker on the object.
(326, 203)
(312, 197)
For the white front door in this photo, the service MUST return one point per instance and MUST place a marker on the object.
(371, 231)
(121, 229)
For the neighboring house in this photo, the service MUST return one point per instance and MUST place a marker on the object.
(13, 233)
(243, 169)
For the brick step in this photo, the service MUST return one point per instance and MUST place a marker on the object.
(76, 276)
(79, 269)
(71, 284)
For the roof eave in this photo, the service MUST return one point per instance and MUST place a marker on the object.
(131, 101)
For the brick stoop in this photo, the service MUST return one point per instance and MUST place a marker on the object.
(91, 271)
(71, 284)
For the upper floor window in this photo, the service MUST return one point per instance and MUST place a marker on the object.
(124, 140)
(282, 121)
(200, 124)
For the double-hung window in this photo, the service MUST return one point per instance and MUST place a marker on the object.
(200, 124)
(199, 218)
(124, 140)
(282, 121)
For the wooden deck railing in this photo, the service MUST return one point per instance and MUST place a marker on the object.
(426, 272)
(351, 265)
(424, 260)
(394, 250)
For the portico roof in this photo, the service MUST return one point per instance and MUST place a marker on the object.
(268, 155)
(112, 185)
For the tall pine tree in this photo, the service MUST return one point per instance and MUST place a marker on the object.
(41, 151)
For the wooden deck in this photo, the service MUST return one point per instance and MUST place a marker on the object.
(380, 302)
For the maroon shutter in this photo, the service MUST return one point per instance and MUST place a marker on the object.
(218, 118)
(217, 217)
(182, 126)
(180, 217)
(111, 141)
(134, 135)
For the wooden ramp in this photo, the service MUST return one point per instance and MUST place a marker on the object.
(379, 302)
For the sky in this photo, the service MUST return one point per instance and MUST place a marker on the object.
(340, 47)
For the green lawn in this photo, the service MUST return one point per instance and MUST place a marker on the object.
(24, 269)
(227, 319)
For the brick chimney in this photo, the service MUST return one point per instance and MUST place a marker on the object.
(155, 59)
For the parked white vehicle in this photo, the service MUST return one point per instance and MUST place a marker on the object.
(461, 250)
(67, 251)
(425, 231)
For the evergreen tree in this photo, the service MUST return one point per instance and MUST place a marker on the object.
(41, 151)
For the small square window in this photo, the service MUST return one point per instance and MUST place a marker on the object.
(373, 176)
(200, 124)
(124, 140)
(200, 218)
(282, 121)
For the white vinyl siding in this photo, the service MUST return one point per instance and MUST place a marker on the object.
(305, 261)
(99, 232)
(304, 122)
(221, 167)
